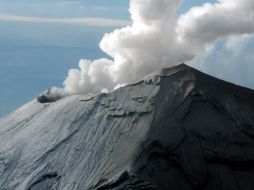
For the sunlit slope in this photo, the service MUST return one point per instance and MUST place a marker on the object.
(176, 129)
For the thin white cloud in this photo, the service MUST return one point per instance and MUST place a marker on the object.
(74, 21)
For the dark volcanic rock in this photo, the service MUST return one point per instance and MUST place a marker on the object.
(177, 129)
(48, 97)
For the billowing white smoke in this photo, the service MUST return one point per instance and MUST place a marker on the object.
(203, 25)
(157, 39)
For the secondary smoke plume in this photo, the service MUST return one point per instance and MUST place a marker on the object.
(156, 39)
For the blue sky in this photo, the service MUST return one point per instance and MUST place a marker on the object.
(76, 8)
(66, 8)
(35, 56)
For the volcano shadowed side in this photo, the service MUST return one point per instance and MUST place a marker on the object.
(176, 129)
(201, 136)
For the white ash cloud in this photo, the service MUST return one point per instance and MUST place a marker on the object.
(91, 77)
(205, 24)
(156, 39)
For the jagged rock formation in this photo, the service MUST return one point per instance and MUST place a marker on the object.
(176, 129)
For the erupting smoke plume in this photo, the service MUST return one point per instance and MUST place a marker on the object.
(157, 39)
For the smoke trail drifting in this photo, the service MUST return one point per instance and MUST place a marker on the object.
(156, 39)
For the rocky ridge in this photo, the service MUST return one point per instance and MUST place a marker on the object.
(175, 129)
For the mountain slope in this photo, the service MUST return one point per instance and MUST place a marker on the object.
(176, 129)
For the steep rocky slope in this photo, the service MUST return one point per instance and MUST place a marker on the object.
(176, 129)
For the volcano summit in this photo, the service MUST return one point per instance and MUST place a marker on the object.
(177, 128)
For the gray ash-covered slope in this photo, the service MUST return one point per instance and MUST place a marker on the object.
(177, 129)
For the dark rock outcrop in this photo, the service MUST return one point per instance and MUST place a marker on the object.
(176, 129)
(47, 97)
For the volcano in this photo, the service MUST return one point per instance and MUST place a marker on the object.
(177, 128)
